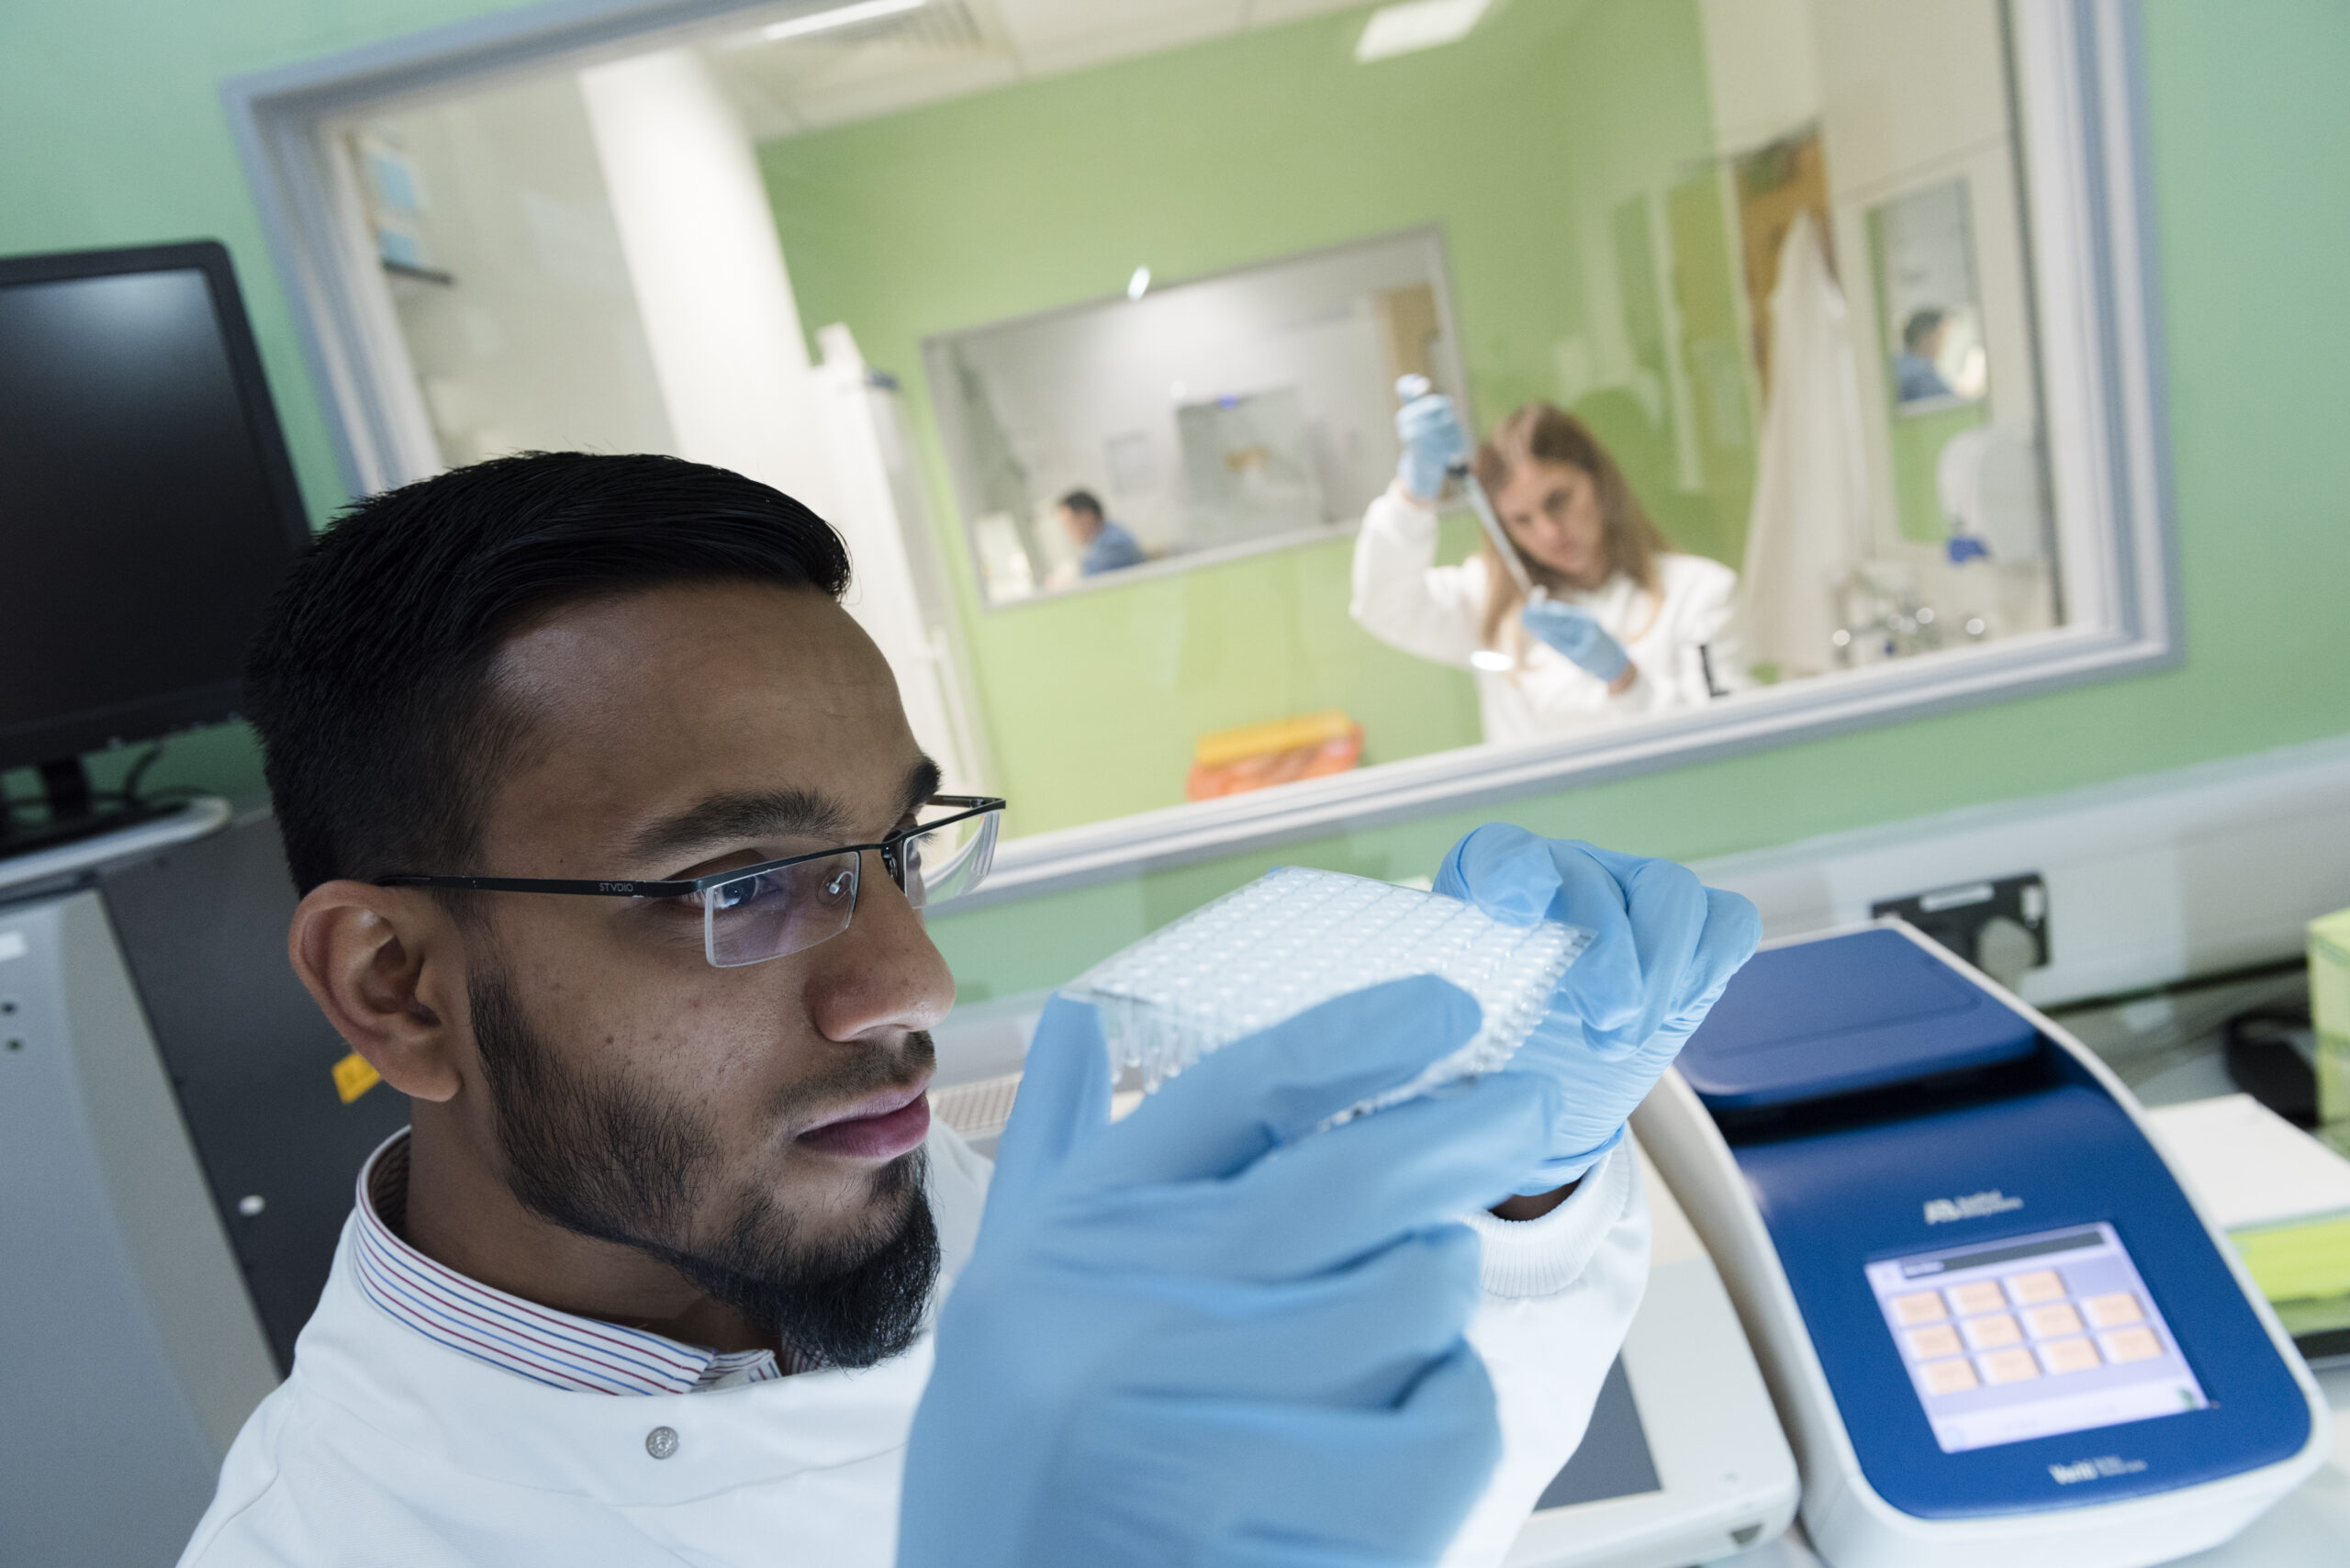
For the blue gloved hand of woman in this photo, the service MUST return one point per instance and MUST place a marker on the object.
(1578, 636)
(1432, 440)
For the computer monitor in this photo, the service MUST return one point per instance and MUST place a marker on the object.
(147, 507)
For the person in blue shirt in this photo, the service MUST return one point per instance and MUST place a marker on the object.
(1108, 547)
(1917, 375)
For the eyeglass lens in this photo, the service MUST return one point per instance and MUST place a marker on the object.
(764, 916)
(950, 861)
(771, 913)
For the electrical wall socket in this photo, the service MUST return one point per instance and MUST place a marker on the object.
(2001, 925)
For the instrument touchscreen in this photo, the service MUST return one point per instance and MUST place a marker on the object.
(2031, 1337)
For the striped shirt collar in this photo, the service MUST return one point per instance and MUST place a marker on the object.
(583, 1355)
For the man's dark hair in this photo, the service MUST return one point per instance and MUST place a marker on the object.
(369, 681)
(1919, 327)
(1085, 501)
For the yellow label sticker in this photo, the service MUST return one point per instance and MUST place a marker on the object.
(354, 1076)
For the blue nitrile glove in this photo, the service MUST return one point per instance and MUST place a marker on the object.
(1432, 442)
(1186, 1338)
(1662, 947)
(1578, 635)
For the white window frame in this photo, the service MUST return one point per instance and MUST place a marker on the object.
(2079, 84)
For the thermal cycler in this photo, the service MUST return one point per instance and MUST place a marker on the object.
(1992, 1320)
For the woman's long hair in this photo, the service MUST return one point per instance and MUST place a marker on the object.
(1629, 543)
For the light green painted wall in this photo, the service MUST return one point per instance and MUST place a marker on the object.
(1094, 701)
(1218, 156)
(1917, 442)
(111, 119)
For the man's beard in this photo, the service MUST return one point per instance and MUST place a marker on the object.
(605, 1158)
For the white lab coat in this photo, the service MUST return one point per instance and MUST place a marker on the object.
(388, 1449)
(1809, 529)
(1401, 597)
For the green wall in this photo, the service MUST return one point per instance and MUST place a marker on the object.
(1218, 156)
(1093, 700)
(1917, 442)
(111, 119)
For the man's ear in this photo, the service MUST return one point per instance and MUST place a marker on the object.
(384, 965)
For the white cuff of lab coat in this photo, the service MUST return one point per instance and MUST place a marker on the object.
(1405, 513)
(1542, 1257)
(1639, 697)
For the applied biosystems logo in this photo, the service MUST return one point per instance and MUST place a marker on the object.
(1974, 1205)
(2105, 1467)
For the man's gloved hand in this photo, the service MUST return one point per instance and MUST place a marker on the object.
(1662, 947)
(1187, 1338)
(1578, 635)
(1433, 443)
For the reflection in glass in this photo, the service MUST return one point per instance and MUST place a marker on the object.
(1201, 420)
(1106, 544)
(1925, 256)
(1248, 466)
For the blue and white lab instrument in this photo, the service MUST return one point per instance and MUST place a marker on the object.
(1995, 1326)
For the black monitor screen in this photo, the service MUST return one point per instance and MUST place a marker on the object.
(146, 510)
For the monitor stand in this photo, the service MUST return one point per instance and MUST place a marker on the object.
(73, 811)
(81, 830)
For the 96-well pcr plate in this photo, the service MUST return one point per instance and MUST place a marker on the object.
(1295, 938)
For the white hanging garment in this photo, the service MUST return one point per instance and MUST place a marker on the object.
(1809, 529)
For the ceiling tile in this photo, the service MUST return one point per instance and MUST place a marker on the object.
(1062, 36)
(1040, 20)
(1273, 13)
(870, 100)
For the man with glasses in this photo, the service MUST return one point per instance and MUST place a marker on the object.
(613, 846)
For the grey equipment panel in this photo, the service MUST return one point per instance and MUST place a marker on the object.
(1613, 1460)
(203, 928)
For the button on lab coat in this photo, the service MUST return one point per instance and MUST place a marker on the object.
(385, 1448)
(1403, 597)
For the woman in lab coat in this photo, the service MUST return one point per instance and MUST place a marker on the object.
(1625, 625)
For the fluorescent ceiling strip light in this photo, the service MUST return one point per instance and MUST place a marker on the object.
(1416, 25)
(838, 16)
(1138, 285)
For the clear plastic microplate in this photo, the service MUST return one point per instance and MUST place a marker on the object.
(1295, 938)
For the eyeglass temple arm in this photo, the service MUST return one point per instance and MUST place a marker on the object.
(972, 805)
(973, 859)
(662, 890)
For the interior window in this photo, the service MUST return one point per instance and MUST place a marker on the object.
(1096, 337)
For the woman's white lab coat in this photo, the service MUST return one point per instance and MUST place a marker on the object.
(1403, 597)
(385, 1447)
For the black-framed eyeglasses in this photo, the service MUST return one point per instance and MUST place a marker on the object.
(778, 907)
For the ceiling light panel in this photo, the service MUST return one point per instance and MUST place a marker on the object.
(833, 18)
(1416, 25)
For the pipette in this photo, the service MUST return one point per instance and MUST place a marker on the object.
(1411, 387)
